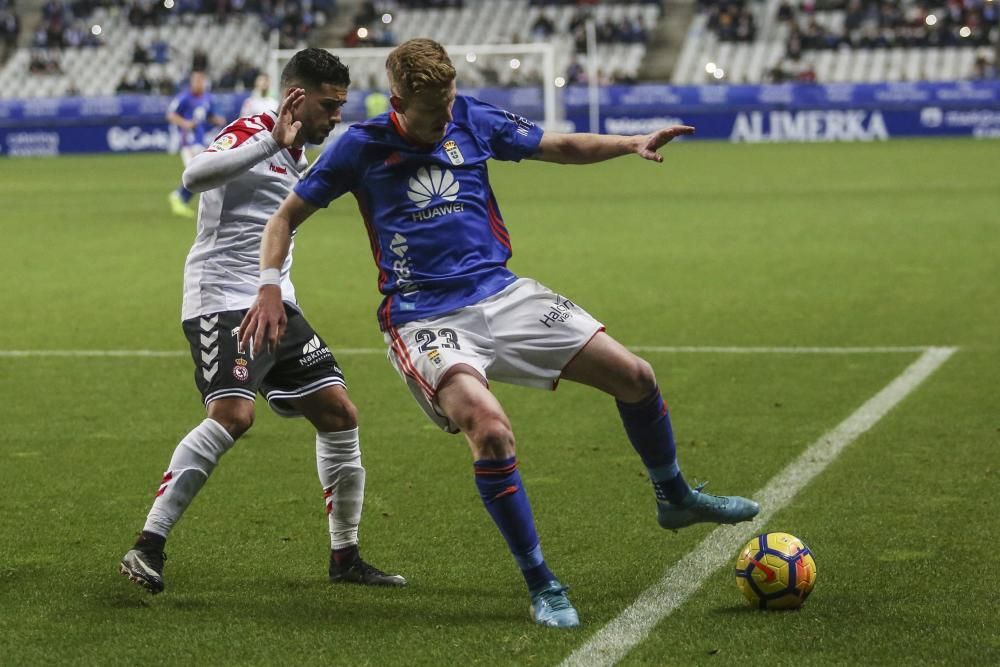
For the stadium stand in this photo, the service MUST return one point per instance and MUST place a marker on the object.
(622, 29)
(148, 47)
(141, 46)
(834, 41)
(100, 47)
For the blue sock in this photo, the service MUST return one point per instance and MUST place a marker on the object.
(500, 487)
(647, 424)
(185, 194)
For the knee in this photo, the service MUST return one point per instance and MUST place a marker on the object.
(491, 437)
(236, 419)
(337, 415)
(640, 381)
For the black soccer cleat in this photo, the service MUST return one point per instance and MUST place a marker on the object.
(144, 568)
(360, 572)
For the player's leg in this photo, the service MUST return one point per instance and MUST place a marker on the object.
(191, 464)
(342, 476)
(443, 363)
(464, 398)
(227, 378)
(607, 365)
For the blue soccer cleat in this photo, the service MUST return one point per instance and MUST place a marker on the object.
(550, 607)
(701, 507)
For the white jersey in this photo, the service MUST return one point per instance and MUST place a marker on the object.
(222, 271)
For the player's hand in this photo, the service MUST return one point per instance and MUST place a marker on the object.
(286, 130)
(650, 143)
(265, 322)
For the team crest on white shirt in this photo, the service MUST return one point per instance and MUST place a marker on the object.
(454, 154)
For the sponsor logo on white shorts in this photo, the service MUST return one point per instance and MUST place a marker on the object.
(558, 312)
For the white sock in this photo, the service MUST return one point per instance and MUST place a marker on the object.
(193, 461)
(338, 461)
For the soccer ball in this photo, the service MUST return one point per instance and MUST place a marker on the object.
(776, 571)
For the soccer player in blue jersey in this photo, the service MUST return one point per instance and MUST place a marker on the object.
(455, 317)
(193, 112)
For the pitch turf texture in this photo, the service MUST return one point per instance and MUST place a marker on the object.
(893, 244)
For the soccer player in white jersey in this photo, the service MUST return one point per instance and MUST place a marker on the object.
(455, 317)
(244, 175)
(260, 100)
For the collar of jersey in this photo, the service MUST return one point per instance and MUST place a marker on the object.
(402, 133)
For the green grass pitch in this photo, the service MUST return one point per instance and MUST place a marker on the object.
(894, 244)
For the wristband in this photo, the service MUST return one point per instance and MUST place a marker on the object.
(270, 277)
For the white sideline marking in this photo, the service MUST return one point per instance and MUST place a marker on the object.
(612, 642)
(350, 351)
(780, 350)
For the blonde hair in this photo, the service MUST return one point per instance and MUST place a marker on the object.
(418, 66)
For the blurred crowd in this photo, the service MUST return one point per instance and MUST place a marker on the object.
(730, 20)
(239, 76)
(65, 24)
(891, 23)
(628, 30)
(373, 20)
(863, 24)
(10, 28)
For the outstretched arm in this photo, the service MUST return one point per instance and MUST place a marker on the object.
(584, 148)
(212, 168)
(266, 320)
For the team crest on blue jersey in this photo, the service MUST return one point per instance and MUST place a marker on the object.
(454, 154)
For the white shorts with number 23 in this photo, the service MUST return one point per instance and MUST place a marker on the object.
(525, 334)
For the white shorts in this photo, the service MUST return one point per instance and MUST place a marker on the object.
(526, 334)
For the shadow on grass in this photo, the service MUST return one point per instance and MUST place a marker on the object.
(301, 603)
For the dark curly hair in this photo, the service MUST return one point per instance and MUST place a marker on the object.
(312, 67)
